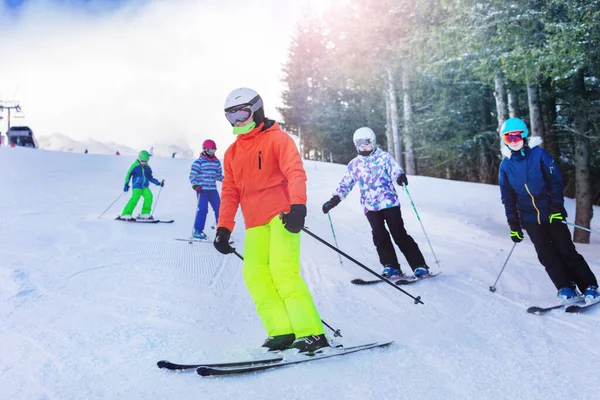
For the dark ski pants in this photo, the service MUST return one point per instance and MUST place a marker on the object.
(207, 196)
(381, 238)
(558, 255)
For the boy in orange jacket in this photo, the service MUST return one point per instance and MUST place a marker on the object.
(264, 174)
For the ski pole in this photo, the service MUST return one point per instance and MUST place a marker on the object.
(111, 204)
(581, 227)
(336, 332)
(422, 227)
(334, 238)
(157, 197)
(392, 284)
(493, 287)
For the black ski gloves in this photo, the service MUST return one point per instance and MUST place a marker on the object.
(402, 180)
(334, 201)
(221, 242)
(557, 215)
(516, 234)
(161, 183)
(294, 220)
(197, 188)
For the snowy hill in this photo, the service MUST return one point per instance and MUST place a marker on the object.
(88, 305)
(60, 142)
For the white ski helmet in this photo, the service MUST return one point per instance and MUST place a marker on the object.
(364, 136)
(242, 99)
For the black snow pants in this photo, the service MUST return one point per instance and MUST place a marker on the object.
(381, 238)
(558, 255)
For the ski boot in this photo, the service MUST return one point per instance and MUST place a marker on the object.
(310, 344)
(279, 342)
(199, 234)
(591, 294)
(566, 294)
(421, 272)
(147, 217)
(391, 272)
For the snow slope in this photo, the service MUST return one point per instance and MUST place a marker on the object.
(60, 142)
(88, 305)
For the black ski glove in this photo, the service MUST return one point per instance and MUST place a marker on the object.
(197, 188)
(516, 234)
(402, 180)
(557, 215)
(221, 242)
(294, 220)
(161, 183)
(334, 201)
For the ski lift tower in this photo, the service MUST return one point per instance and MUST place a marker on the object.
(9, 106)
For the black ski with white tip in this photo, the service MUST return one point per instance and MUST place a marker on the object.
(579, 308)
(164, 364)
(543, 310)
(402, 280)
(145, 221)
(295, 359)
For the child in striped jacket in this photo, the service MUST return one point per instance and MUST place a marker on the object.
(206, 170)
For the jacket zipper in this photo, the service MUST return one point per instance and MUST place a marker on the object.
(260, 159)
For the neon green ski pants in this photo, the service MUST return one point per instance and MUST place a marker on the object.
(272, 276)
(135, 197)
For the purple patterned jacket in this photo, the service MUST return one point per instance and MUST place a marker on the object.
(375, 175)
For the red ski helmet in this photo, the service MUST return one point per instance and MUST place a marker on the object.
(209, 144)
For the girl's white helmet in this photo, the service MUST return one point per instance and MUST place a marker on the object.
(363, 137)
(243, 96)
(364, 133)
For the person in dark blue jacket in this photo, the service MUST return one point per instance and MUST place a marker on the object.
(141, 174)
(531, 187)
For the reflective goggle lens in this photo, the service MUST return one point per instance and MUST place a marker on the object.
(362, 143)
(211, 151)
(239, 115)
(512, 137)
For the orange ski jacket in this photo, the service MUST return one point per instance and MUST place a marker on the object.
(264, 174)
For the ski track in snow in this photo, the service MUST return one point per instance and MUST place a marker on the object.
(88, 305)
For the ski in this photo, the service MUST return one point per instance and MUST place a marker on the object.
(576, 308)
(403, 280)
(543, 310)
(333, 352)
(409, 280)
(194, 240)
(164, 364)
(146, 221)
(362, 282)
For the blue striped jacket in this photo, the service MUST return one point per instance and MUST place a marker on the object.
(206, 171)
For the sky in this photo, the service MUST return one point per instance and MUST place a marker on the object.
(141, 72)
(88, 304)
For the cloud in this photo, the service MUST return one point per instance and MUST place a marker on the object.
(146, 72)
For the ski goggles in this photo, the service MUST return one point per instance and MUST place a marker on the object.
(363, 143)
(238, 115)
(210, 152)
(512, 137)
(242, 112)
